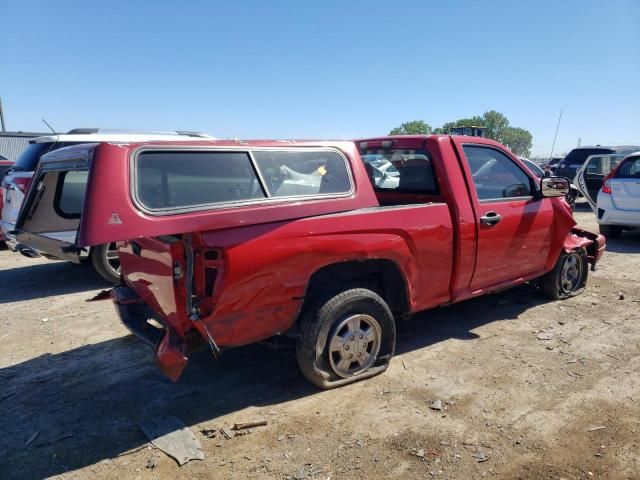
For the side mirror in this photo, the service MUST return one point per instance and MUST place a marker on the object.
(547, 173)
(554, 186)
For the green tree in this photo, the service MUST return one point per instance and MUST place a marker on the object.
(476, 121)
(415, 127)
(496, 124)
(498, 128)
(518, 140)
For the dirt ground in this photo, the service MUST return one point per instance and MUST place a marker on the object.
(533, 388)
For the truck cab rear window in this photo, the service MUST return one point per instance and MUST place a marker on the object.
(401, 171)
(178, 180)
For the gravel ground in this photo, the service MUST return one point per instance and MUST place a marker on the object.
(528, 389)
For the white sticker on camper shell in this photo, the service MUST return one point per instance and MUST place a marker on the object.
(114, 219)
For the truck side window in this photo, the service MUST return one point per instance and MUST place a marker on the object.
(291, 173)
(495, 175)
(69, 196)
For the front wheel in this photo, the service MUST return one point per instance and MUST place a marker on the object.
(105, 261)
(345, 338)
(568, 278)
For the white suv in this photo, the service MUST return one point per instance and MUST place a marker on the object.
(17, 180)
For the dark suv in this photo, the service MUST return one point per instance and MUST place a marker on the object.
(569, 165)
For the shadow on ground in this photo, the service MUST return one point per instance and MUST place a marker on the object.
(42, 280)
(629, 242)
(88, 403)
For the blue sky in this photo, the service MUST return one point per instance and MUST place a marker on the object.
(324, 69)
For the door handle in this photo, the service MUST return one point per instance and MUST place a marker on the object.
(490, 218)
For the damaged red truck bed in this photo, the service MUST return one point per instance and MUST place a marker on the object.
(231, 242)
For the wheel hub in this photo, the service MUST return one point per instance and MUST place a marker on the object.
(571, 273)
(354, 345)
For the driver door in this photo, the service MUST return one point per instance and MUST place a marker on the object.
(513, 225)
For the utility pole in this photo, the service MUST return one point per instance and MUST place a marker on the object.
(2, 116)
(555, 136)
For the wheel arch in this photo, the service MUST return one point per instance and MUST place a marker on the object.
(381, 275)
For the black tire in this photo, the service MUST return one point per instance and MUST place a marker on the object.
(106, 267)
(325, 319)
(559, 283)
(610, 231)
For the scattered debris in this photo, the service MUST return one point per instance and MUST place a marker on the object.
(228, 433)
(488, 336)
(480, 456)
(32, 437)
(620, 296)
(545, 336)
(280, 438)
(152, 462)
(209, 433)
(306, 472)
(420, 453)
(256, 423)
(435, 405)
(174, 438)
(235, 430)
(593, 429)
(404, 364)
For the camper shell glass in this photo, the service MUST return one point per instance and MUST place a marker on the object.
(172, 180)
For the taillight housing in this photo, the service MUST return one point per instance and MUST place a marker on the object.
(22, 183)
(606, 184)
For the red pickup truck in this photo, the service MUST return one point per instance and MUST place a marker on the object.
(232, 242)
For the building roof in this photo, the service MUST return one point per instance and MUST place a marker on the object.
(12, 143)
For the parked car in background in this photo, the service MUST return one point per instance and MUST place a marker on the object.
(17, 180)
(215, 247)
(611, 185)
(570, 164)
(540, 173)
(551, 164)
(5, 165)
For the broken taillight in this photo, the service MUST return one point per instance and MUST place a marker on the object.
(606, 184)
(22, 183)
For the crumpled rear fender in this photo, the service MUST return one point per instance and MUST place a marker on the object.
(593, 243)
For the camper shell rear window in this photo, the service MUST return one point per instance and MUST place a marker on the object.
(177, 180)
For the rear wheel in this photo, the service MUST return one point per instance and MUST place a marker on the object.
(610, 231)
(568, 278)
(345, 337)
(105, 261)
